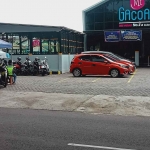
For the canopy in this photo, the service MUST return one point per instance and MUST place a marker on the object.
(4, 44)
(4, 55)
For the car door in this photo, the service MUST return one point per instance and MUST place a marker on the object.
(100, 65)
(85, 64)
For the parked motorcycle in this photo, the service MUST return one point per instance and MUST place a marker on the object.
(29, 69)
(3, 74)
(44, 67)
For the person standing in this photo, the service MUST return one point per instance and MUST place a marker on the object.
(11, 71)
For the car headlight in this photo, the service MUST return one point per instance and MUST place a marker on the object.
(123, 66)
(130, 65)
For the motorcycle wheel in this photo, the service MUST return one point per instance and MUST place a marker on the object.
(43, 74)
(5, 83)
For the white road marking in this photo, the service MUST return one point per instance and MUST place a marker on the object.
(98, 147)
(63, 80)
(132, 76)
(95, 80)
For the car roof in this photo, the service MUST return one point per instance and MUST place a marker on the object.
(89, 54)
(96, 52)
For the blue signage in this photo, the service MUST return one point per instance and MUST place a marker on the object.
(112, 36)
(135, 16)
(131, 35)
(128, 15)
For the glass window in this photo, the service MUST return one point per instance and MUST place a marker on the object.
(4, 37)
(45, 46)
(25, 45)
(116, 18)
(126, 4)
(117, 4)
(99, 26)
(16, 44)
(90, 26)
(58, 47)
(10, 40)
(108, 16)
(86, 58)
(51, 46)
(116, 25)
(90, 18)
(99, 9)
(109, 25)
(36, 45)
(99, 17)
(98, 58)
(109, 6)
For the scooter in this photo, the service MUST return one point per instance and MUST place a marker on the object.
(44, 67)
(3, 76)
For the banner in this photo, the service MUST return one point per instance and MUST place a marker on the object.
(131, 35)
(112, 36)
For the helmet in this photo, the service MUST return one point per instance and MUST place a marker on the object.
(5, 61)
(36, 58)
(19, 58)
(27, 58)
(9, 62)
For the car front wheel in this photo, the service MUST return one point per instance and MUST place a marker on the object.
(114, 73)
(76, 72)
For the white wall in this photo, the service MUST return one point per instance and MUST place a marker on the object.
(66, 60)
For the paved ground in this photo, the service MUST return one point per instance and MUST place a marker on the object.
(99, 95)
(135, 85)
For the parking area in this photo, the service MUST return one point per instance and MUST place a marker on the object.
(137, 84)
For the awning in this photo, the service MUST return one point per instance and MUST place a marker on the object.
(4, 44)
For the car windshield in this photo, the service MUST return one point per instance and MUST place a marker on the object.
(111, 57)
(120, 56)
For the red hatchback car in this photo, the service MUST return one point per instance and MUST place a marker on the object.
(96, 64)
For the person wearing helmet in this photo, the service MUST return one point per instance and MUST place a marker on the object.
(27, 61)
(19, 61)
(11, 71)
(36, 64)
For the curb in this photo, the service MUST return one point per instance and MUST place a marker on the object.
(55, 72)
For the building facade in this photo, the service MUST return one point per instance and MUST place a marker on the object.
(119, 26)
(58, 44)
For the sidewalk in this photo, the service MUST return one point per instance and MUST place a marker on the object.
(99, 104)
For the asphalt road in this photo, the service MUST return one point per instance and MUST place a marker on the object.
(23, 129)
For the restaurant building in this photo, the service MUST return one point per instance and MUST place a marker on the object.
(58, 44)
(119, 26)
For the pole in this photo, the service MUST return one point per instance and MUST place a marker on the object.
(11, 53)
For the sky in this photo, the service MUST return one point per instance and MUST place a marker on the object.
(67, 13)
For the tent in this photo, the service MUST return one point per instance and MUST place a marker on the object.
(4, 44)
(4, 55)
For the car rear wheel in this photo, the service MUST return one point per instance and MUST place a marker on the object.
(76, 72)
(114, 73)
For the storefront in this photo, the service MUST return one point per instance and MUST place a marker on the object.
(119, 26)
(58, 44)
